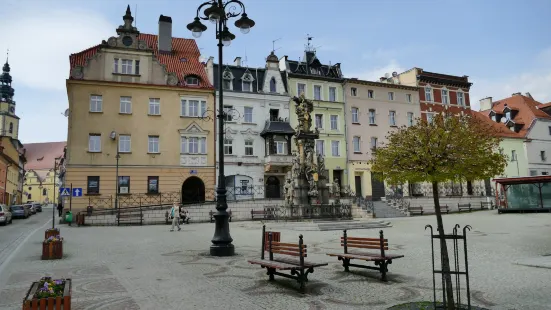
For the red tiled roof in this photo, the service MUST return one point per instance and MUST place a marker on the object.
(42, 155)
(527, 110)
(544, 105)
(181, 49)
(501, 129)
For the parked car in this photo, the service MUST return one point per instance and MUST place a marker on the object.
(28, 208)
(5, 215)
(19, 211)
(37, 207)
(31, 208)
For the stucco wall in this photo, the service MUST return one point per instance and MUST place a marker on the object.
(540, 141)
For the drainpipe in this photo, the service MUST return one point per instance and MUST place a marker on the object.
(6, 185)
(346, 133)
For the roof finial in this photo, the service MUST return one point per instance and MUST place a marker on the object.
(7, 55)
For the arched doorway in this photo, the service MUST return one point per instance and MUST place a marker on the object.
(273, 187)
(193, 190)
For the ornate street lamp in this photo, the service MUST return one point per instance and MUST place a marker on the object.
(219, 12)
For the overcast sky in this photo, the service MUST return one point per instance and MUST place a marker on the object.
(502, 45)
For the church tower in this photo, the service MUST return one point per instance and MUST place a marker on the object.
(9, 122)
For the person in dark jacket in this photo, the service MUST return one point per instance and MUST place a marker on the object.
(59, 209)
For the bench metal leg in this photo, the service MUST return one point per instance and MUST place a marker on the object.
(345, 263)
(383, 268)
(271, 272)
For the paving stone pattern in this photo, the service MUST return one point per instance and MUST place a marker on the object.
(151, 268)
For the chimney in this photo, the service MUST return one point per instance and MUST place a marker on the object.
(486, 104)
(529, 95)
(516, 94)
(164, 41)
(237, 61)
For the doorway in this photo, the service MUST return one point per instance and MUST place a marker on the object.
(358, 185)
(273, 187)
(193, 190)
(377, 187)
(337, 177)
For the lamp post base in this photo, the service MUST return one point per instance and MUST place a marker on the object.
(222, 241)
(222, 250)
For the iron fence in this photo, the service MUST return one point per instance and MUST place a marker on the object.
(445, 189)
(320, 211)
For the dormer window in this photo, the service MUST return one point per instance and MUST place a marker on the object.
(508, 115)
(493, 118)
(273, 85)
(227, 78)
(192, 80)
(247, 81)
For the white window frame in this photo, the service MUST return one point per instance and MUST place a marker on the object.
(125, 144)
(153, 144)
(126, 66)
(282, 150)
(321, 92)
(273, 83)
(428, 94)
(430, 117)
(316, 121)
(446, 95)
(370, 93)
(154, 106)
(245, 114)
(374, 142)
(193, 145)
(249, 146)
(94, 143)
(96, 103)
(193, 79)
(354, 92)
(408, 98)
(185, 106)
(336, 119)
(303, 89)
(125, 105)
(116, 65)
(335, 145)
(227, 77)
(411, 119)
(228, 146)
(357, 144)
(392, 118)
(322, 149)
(391, 96)
(372, 113)
(460, 98)
(228, 116)
(334, 89)
(355, 115)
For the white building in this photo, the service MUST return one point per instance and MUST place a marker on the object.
(254, 99)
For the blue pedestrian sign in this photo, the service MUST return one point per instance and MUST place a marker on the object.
(64, 191)
(77, 192)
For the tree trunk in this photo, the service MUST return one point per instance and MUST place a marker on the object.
(445, 260)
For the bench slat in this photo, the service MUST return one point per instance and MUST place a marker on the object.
(364, 242)
(287, 248)
(366, 256)
(363, 239)
(274, 264)
(373, 247)
(285, 244)
(297, 262)
(288, 253)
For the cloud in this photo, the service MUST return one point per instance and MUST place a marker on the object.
(535, 80)
(375, 73)
(41, 41)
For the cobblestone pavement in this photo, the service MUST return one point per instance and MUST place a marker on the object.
(151, 268)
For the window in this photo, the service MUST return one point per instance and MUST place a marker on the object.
(372, 117)
(550, 130)
(334, 122)
(116, 66)
(10, 130)
(544, 173)
(508, 115)
(319, 121)
(356, 144)
(390, 96)
(460, 99)
(354, 91)
(226, 84)
(193, 145)
(494, 119)
(153, 144)
(92, 185)
(320, 147)
(335, 148)
(513, 155)
(96, 103)
(227, 80)
(370, 94)
(392, 118)
(430, 116)
(247, 83)
(44, 192)
(533, 173)
(249, 148)
(228, 113)
(228, 147)
(273, 85)
(126, 105)
(408, 98)
(154, 106)
(124, 184)
(248, 115)
(428, 94)
(152, 185)
(192, 80)
(445, 96)
(317, 92)
(542, 155)
(410, 119)
(280, 147)
(332, 94)
(301, 88)
(137, 67)
(94, 143)
(126, 66)
(124, 144)
(373, 143)
(355, 116)
(192, 108)
(274, 115)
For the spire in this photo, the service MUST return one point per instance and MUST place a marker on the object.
(128, 15)
(6, 67)
(128, 20)
(6, 91)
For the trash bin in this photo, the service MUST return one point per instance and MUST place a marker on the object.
(89, 210)
(69, 217)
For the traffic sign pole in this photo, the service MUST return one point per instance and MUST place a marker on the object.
(71, 198)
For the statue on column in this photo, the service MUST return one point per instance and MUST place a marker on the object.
(289, 189)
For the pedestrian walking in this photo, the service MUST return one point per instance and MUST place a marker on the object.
(59, 209)
(175, 213)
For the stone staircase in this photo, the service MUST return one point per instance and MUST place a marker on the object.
(384, 210)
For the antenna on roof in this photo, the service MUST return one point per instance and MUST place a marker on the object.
(245, 62)
(273, 45)
(136, 18)
(308, 46)
(7, 55)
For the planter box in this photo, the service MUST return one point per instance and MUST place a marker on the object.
(51, 233)
(52, 250)
(80, 219)
(57, 303)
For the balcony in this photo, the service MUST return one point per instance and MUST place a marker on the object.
(278, 160)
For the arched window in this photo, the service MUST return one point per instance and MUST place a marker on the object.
(44, 192)
(11, 127)
(247, 82)
(228, 77)
(273, 87)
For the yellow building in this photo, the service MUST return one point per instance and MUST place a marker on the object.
(39, 181)
(141, 98)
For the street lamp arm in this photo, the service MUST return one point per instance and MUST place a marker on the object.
(211, 2)
(232, 8)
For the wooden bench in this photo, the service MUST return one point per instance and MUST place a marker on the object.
(184, 217)
(261, 214)
(486, 205)
(465, 206)
(211, 215)
(381, 259)
(290, 257)
(415, 210)
(444, 208)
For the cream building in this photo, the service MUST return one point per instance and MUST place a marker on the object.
(40, 181)
(135, 107)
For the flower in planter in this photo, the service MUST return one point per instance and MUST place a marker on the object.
(53, 239)
(50, 288)
(52, 229)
